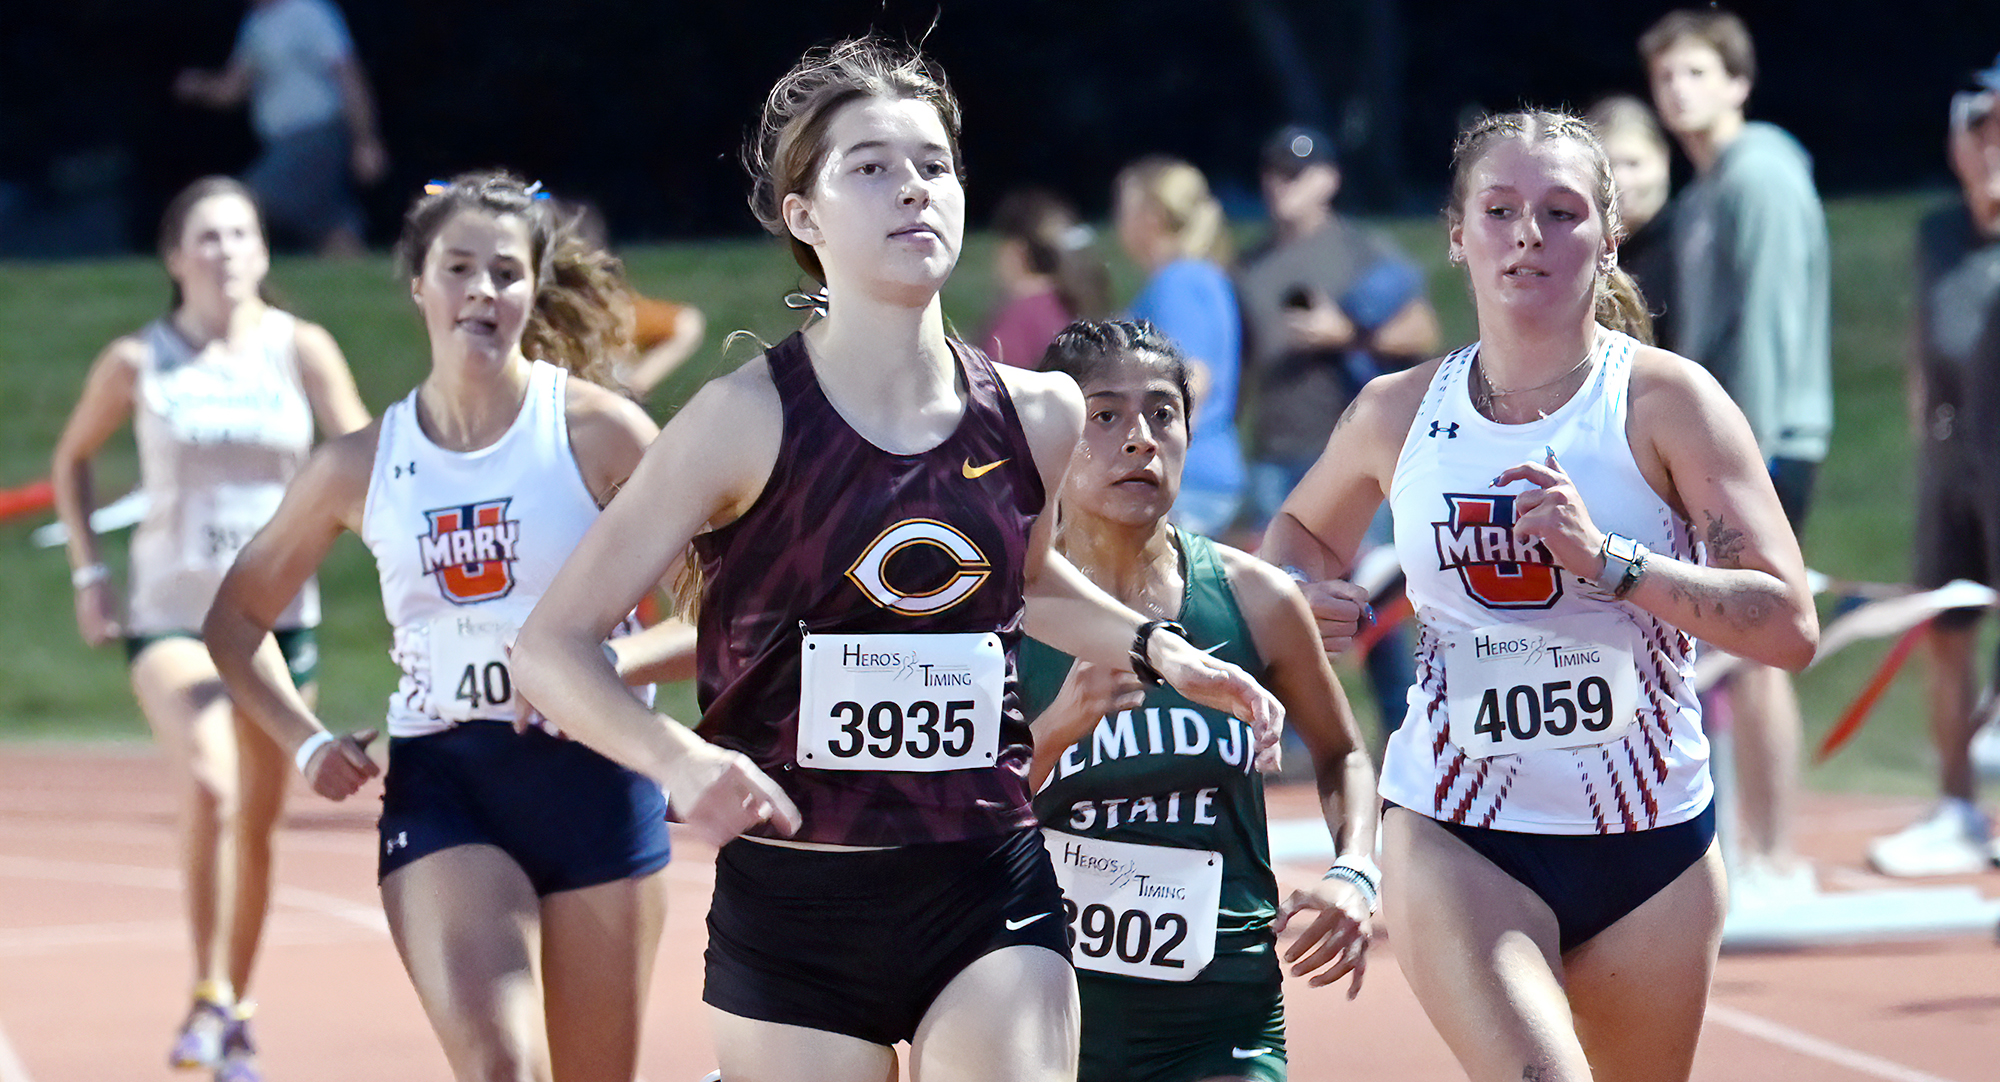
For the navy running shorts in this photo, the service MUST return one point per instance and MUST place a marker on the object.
(861, 942)
(568, 816)
(1157, 1031)
(1591, 881)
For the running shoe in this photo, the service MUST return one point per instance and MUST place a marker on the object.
(1953, 840)
(1757, 884)
(239, 1056)
(199, 1043)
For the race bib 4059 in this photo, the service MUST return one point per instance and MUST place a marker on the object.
(1567, 683)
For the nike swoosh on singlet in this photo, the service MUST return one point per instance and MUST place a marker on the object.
(974, 473)
(1248, 1053)
(1017, 925)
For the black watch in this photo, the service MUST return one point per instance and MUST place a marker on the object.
(1142, 668)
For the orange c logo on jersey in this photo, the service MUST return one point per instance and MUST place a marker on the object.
(470, 550)
(967, 568)
(1477, 540)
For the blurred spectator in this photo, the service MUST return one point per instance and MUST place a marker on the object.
(1955, 397)
(1326, 305)
(313, 112)
(1641, 164)
(1174, 229)
(1048, 272)
(1753, 284)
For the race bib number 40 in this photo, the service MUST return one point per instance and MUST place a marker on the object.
(469, 674)
(1138, 910)
(921, 702)
(1517, 688)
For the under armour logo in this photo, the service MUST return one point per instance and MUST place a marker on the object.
(400, 841)
(399, 469)
(1450, 431)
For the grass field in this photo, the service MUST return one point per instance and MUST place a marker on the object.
(56, 316)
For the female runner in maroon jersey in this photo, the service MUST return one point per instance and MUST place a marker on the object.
(865, 502)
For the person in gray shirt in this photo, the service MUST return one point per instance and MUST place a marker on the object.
(1955, 404)
(1327, 304)
(1753, 286)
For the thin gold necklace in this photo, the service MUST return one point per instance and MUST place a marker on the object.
(1485, 392)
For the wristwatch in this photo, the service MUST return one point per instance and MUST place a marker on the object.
(1141, 667)
(1624, 564)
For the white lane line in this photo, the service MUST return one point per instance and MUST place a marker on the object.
(340, 840)
(286, 930)
(11, 1068)
(126, 875)
(1806, 1044)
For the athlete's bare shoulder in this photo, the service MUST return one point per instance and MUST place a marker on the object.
(1393, 398)
(719, 449)
(1660, 371)
(1045, 393)
(1051, 411)
(747, 396)
(607, 434)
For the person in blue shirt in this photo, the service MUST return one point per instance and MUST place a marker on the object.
(1174, 229)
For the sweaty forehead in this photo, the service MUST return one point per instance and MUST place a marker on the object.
(1535, 167)
(1140, 373)
(901, 121)
(483, 232)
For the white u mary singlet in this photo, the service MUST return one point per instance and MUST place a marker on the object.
(220, 433)
(1571, 713)
(465, 544)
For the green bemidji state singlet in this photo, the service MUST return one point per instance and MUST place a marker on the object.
(1155, 820)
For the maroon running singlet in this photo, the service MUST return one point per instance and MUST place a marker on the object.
(905, 576)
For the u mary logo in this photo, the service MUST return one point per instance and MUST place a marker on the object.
(470, 550)
(1477, 540)
(919, 585)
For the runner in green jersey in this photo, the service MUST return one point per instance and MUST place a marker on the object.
(1151, 805)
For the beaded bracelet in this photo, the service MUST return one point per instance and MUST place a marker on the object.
(1361, 873)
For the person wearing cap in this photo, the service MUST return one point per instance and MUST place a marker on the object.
(1326, 305)
(1955, 408)
(1753, 284)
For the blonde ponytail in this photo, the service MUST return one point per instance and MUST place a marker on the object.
(1621, 307)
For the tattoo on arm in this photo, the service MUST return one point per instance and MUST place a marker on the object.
(1746, 607)
(1532, 1073)
(1346, 415)
(1725, 542)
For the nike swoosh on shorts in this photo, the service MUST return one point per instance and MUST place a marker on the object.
(1248, 1053)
